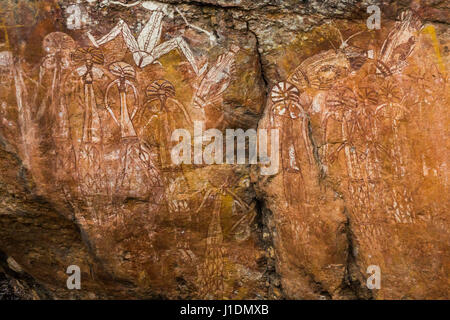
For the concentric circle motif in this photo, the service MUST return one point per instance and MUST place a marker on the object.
(285, 98)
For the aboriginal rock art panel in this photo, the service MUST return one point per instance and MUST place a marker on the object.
(343, 115)
(90, 110)
(101, 123)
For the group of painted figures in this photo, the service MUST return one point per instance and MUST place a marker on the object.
(108, 126)
(110, 160)
(361, 99)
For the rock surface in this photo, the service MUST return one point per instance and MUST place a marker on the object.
(92, 91)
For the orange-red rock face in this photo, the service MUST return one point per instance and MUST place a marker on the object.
(362, 167)
(92, 92)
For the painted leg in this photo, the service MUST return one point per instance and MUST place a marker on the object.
(172, 44)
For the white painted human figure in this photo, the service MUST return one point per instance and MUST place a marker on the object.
(123, 71)
(145, 48)
(6, 62)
